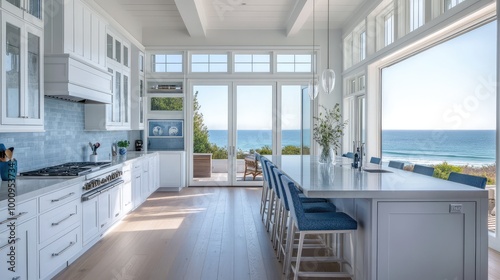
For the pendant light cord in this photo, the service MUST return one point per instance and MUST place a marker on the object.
(328, 36)
(313, 56)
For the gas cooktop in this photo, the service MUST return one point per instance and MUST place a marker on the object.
(67, 169)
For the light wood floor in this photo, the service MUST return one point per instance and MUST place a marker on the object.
(199, 233)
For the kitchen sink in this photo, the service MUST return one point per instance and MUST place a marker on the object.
(376, 170)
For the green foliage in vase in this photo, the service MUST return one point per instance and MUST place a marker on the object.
(328, 127)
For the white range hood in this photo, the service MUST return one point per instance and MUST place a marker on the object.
(68, 78)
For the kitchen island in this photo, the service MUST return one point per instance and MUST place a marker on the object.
(410, 226)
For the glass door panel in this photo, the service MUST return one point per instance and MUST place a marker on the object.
(211, 137)
(12, 66)
(33, 93)
(291, 120)
(254, 128)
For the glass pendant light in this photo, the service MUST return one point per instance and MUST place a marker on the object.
(328, 75)
(313, 89)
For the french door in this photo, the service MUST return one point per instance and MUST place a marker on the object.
(231, 121)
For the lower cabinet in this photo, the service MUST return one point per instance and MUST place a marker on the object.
(19, 262)
(414, 235)
(100, 212)
(172, 170)
(137, 183)
(57, 253)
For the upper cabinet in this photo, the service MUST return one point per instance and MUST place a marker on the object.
(116, 115)
(74, 28)
(29, 10)
(75, 53)
(137, 90)
(22, 87)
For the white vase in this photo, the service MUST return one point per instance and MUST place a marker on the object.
(93, 158)
(327, 155)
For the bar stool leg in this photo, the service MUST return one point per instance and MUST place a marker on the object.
(299, 255)
(289, 249)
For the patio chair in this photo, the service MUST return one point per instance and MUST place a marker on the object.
(252, 167)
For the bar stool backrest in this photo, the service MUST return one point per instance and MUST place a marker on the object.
(292, 194)
(471, 180)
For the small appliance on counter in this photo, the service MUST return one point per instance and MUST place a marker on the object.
(138, 145)
(8, 164)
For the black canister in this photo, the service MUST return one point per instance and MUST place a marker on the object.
(138, 145)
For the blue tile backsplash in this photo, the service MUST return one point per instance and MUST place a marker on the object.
(64, 139)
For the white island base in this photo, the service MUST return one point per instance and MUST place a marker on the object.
(410, 226)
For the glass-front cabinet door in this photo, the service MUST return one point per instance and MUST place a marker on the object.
(22, 94)
(28, 10)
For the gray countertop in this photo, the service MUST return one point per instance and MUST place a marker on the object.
(342, 181)
(27, 187)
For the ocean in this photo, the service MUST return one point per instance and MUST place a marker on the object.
(460, 147)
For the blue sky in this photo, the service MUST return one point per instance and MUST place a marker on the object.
(449, 86)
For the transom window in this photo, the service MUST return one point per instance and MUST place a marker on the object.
(389, 29)
(252, 63)
(167, 63)
(362, 45)
(416, 14)
(209, 63)
(294, 63)
(448, 4)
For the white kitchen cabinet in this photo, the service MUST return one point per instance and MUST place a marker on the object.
(445, 243)
(54, 223)
(114, 116)
(127, 198)
(22, 89)
(30, 11)
(137, 89)
(153, 161)
(90, 219)
(72, 27)
(56, 255)
(25, 252)
(145, 179)
(137, 182)
(172, 170)
(104, 210)
(115, 203)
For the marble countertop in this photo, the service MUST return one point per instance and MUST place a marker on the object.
(342, 181)
(27, 188)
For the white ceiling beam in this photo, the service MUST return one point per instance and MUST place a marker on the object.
(193, 15)
(300, 14)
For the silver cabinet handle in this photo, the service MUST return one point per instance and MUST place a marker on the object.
(117, 214)
(61, 198)
(62, 251)
(13, 217)
(7, 245)
(103, 225)
(57, 223)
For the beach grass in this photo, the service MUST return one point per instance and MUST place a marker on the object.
(443, 170)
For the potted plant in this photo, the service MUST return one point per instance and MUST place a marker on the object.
(122, 145)
(328, 130)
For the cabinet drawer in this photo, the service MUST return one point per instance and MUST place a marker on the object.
(60, 197)
(58, 252)
(23, 211)
(54, 222)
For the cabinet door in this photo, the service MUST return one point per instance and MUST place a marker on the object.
(145, 181)
(104, 210)
(172, 170)
(23, 59)
(116, 202)
(439, 236)
(136, 186)
(127, 197)
(90, 219)
(25, 250)
(125, 106)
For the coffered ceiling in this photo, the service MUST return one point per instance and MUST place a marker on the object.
(199, 16)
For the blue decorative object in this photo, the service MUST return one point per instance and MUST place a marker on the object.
(122, 151)
(8, 170)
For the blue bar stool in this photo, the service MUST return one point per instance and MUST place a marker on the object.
(396, 164)
(375, 160)
(316, 223)
(281, 216)
(424, 170)
(471, 180)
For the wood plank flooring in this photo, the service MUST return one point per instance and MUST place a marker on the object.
(199, 233)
